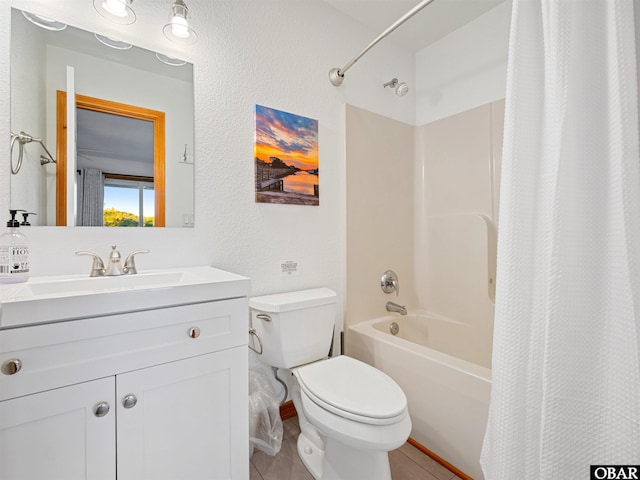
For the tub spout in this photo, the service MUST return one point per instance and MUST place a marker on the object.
(394, 307)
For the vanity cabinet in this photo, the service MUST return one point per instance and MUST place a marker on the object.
(153, 394)
(55, 434)
(183, 425)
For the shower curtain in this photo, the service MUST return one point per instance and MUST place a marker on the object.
(566, 362)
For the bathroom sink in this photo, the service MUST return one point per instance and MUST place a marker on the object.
(73, 285)
(68, 297)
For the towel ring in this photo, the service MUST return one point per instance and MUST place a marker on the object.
(23, 138)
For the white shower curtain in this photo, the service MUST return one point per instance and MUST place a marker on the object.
(566, 361)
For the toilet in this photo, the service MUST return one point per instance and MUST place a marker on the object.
(351, 414)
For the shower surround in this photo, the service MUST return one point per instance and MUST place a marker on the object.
(423, 201)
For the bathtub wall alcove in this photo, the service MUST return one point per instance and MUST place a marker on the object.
(423, 201)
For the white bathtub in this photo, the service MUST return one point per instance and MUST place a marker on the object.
(444, 369)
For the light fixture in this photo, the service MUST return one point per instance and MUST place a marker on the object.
(117, 11)
(178, 29)
(110, 42)
(44, 22)
(174, 62)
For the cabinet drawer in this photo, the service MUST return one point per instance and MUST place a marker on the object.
(71, 352)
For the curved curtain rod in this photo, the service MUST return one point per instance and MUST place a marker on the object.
(336, 75)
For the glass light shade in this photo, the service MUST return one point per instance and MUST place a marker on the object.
(174, 62)
(44, 22)
(110, 42)
(117, 11)
(178, 29)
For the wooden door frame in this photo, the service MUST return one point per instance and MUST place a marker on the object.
(122, 109)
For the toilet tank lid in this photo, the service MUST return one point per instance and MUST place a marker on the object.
(288, 301)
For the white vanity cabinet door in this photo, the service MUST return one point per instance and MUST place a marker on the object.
(189, 420)
(55, 435)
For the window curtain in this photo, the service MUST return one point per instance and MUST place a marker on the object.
(90, 197)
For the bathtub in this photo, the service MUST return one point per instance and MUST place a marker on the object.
(444, 369)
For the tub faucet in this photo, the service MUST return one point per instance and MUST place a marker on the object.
(394, 307)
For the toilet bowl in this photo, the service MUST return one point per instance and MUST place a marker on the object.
(350, 414)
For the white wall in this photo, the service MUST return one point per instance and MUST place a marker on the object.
(465, 69)
(28, 115)
(276, 54)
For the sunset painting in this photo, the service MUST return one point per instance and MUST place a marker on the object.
(286, 158)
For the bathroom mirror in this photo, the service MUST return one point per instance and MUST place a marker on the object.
(122, 140)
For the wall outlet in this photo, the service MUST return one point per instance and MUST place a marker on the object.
(187, 220)
(289, 268)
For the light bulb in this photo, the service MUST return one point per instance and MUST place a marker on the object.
(179, 27)
(116, 11)
(115, 7)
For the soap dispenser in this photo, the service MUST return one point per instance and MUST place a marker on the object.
(14, 253)
(25, 219)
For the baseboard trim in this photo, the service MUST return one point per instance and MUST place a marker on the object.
(288, 410)
(439, 459)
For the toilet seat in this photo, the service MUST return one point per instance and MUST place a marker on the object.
(352, 389)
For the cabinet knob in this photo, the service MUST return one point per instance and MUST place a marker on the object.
(129, 401)
(11, 366)
(101, 409)
(194, 332)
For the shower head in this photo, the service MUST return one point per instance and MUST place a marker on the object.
(401, 88)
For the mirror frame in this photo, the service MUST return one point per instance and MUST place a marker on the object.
(115, 108)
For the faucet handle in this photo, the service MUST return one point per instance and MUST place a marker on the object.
(97, 267)
(389, 282)
(130, 262)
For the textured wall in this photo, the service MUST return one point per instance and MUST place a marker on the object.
(275, 53)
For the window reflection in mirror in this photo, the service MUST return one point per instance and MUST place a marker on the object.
(133, 77)
(128, 202)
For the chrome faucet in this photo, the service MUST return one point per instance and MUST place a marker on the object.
(394, 307)
(115, 266)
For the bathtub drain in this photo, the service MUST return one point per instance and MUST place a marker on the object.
(394, 328)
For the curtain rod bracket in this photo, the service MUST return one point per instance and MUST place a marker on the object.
(336, 77)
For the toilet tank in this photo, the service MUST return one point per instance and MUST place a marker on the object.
(294, 327)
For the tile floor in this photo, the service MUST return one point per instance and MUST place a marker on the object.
(407, 462)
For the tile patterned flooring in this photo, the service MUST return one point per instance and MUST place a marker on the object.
(407, 462)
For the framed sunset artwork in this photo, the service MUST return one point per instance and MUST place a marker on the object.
(286, 158)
